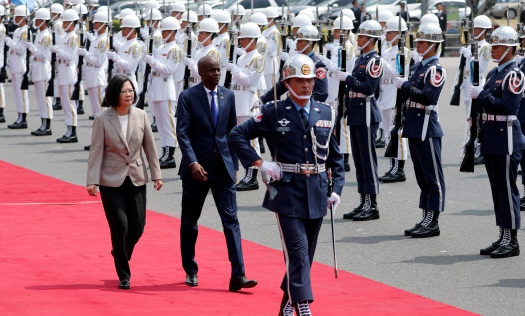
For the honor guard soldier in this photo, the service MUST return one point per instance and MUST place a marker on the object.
(130, 52)
(364, 118)
(299, 133)
(222, 40)
(298, 22)
(208, 29)
(502, 142)
(481, 25)
(17, 65)
(351, 36)
(66, 50)
(203, 12)
(247, 76)
(82, 30)
(422, 89)
(161, 93)
(182, 37)
(3, 63)
(388, 95)
(273, 40)
(118, 39)
(177, 9)
(520, 61)
(56, 11)
(307, 36)
(41, 69)
(334, 64)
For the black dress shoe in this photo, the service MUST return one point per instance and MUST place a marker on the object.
(510, 250)
(18, 125)
(124, 284)
(57, 106)
(399, 176)
(2, 118)
(241, 282)
(42, 132)
(380, 144)
(92, 117)
(192, 280)
(479, 160)
(352, 214)
(408, 232)
(80, 110)
(490, 249)
(249, 185)
(154, 128)
(427, 231)
(87, 147)
(367, 215)
(168, 163)
(68, 139)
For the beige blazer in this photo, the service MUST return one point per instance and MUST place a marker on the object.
(113, 157)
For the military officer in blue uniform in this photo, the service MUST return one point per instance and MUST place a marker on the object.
(502, 142)
(520, 61)
(422, 89)
(299, 133)
(307, 36)
(364, 118)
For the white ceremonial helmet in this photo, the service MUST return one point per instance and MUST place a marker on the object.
(152, 4)
(57, 8)
(308, 33)
(221, 16)
(153, 14)
(75, 2)
(347, 23)
(131, 21)
(125, 12)
(482, 22)
(170, 24)
(393, 24)
(81, 8)
(209, 25)
(429, 32)
(192, 17)
(349, 13)
(204, 9)
(21, 10)
(301, 20)
(249, 30)
(101, 16)
(42, 14)
(177, 7)
(370, 28)
(505, 36)
(384, 15)
(271, 12)
(69, 15)
(308, 13)
(299, 66)
(259, 18)
(93, 3)
(2, 10)
(429, 18)
(238, 10)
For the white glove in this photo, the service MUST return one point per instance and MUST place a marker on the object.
(398, 81)
(519, 58)
(8, 41)
(333, 200)
(474, 91)
(228, 66)
(112, 55)
(31, 47)
(329, 47)
(149, 59)
(273, 169)
(90, 36)
(325, 60)
(341, 75)
(465, 51)
(239, 51)
(82, 52)
(186, 61)
(54, 49)
(283, 55)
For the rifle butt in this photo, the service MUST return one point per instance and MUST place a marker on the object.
(50, 91)
(25, 83)
(392, 148)
(454, 100)
(75, 96)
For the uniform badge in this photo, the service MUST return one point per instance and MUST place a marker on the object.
(288, 107)
(258, 118)
(283, 122)
(323, 123)
(497, 82)
(320, 73)
(305, 69)
(514, 85)
(316, 109)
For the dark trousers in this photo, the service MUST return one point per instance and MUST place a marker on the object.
(125, 209)
(299, 239)
(426, 157)
(363, 142)
(193, 196)
(502, 171)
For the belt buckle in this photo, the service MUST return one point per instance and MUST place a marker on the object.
(307, 169)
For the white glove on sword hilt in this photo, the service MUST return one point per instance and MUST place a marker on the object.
(273, 169)
(256, 105)
(334, 201)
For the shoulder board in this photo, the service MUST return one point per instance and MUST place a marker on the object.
(157, 41)
(175, 53)
(485, 52)
(136, 50)
(215, 54)
(262, 47)
(73, 41)
(47, 41)
(257, 63)
(102, 45)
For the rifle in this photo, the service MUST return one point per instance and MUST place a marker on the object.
(379, 42)
(228, 77)
(454, 100)
(25, 79)
(319, 30)
(187, 72)
(467, 164)
(284, 37)
(110, 31)
(393, 145)
(520, 28)
(328, 20)
(3, 71)
(76, 90)
(50, 92)
(142, 95)
(342, 85)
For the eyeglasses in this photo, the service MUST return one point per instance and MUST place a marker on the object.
(127, 92)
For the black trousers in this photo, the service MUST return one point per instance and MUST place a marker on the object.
(125, 209)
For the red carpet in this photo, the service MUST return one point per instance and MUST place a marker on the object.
(55, 260)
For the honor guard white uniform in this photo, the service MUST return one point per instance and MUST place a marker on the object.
(273, 40)
(129, 54)
(182, 40)
(161, 93)
(153, 18)
(222, 41)
(481, 24)
(118, 39)
(206, 26)
(17, 66)
(96, 64)
(58, 31)
(247, 76)
(260, 19)
(351, 36)
(388, 96)
(66, 50)
(41, 70)
(2, 63)
(298, 22)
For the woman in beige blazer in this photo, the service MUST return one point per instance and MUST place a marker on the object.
(116, 165)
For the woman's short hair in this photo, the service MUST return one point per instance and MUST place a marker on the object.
(112, 94)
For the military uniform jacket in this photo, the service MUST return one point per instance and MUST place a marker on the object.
(162, 86)
(129, 55)
(423, 88)
(335, 64)
(209, 50)
(221, 42)
(67, 58)
(298, 195)
(387, 89)
(2, 44)
(96, 62)
(501, 96)
(273, 40)
(41, 56)
(320, 92)
(16, 58)
(484, 57)
(247, 81)
(58, 29)
(521, 111)
(364, 80)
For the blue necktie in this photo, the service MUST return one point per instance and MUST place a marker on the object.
(213, 108)
(304, 119)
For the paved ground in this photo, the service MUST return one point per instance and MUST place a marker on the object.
(446, 268)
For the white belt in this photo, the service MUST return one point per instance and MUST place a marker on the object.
(239, 87)
(352, 94)
(90, 65)
(387, 81)
(193, 80)
(498, 118)
(308, 168)
(420, 106)
(39, 60)
(63, 62)
(157, 74)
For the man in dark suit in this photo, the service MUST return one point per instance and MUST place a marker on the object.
(442, 16)
(357, 13)
(403, 11)
(205, 117)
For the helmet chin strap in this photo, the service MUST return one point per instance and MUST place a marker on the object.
(304, 48)
(367, 43)
(127, 36)
(37, 26)
(202, 43)
(428, 49)
(99, 28)
(300, 97)
(479, 35)
(390, 42)
(497, 61)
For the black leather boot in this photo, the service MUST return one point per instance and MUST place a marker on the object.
(392, 164)
(356, 210)
(44, 129)
(154, 127)
(429, 226)
(164, 153)
(286, 309)
(397, 174)
(58, 105)
(249, 182)
(346, 157)
(20, 122)
(169, 161)
(408, 232)
(487, 251)
(370, 210)
(80, 107)
(509, 246)
(70, 136)
(2, 117)
(261, 145)
(380, 141)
